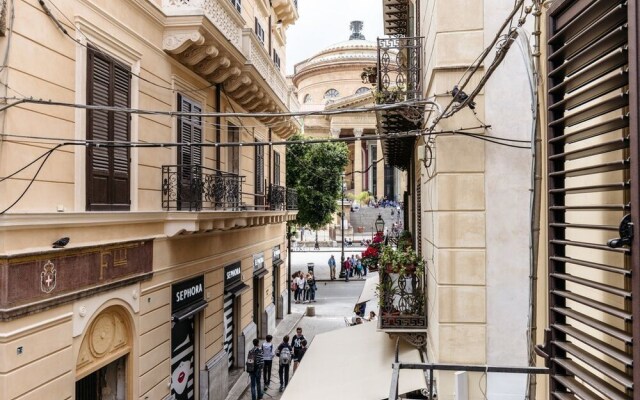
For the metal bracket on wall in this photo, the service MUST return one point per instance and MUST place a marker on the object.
(626, 233)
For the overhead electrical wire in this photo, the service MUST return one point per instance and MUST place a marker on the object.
(358, 110)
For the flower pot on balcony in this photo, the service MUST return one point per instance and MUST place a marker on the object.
(360, 229)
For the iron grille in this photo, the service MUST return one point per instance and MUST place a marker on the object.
(399, 69)
(292, 199)
(205, 188)
(277, 197)
(591, 187)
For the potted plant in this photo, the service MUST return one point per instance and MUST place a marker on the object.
(402, 261)
(400, 290)
(369, 75)
(371, 255)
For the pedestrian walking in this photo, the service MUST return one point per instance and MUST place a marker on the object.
(254, 364)
(358, 267)
(332, 267)
(267, 353)
(298, 358)
(296, 342)
(284, 353)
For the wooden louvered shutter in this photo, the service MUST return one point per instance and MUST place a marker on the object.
(108, 176)
(189, 157)
(594, 312)
(259, 173)
(189, 131)
(276, 168)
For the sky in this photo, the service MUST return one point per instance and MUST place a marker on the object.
(325, 22)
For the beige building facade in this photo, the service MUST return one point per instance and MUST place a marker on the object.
(145, 253)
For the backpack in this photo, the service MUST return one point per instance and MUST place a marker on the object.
(251, 361)
(294, 286)
(285, 356)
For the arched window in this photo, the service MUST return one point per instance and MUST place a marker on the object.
(363, 90)
(331, 94)
(307, 99)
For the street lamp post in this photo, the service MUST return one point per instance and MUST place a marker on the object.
(342, 271)
(289, 234)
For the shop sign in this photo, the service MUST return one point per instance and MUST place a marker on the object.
(186, 293)
(276, 254)
(258, 261)
(232, 273)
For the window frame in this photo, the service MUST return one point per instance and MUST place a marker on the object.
(118, 183)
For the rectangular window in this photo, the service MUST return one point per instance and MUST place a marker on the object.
(276, 168)
(276, 59)
(108, 169)
(259, 31)
(233, 136)
(237, 5)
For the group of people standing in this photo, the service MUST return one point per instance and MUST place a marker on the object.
(260, 360)
(304, 287)
(352, 266)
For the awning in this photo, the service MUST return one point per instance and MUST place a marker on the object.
(237, 288)
(259, 273)
(360, 358)
(189, 311)
(369, 289)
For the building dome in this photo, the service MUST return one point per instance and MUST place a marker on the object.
(355, 50)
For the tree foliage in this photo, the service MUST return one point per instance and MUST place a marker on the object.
(315, 170)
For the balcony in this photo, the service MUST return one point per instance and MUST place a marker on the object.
(396, 17)
(401, 290)
(286, 10)
(211, 38)
(258, 57)
(398, 80)
(196, 188)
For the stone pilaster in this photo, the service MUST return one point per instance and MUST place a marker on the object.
(357, 161)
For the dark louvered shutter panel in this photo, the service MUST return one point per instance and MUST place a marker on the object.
(592, 185)
(121, 129)
(259, 173)
(189, 157)
(276, 168)
(108, 182)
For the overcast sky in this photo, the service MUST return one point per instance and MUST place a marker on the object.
(325, 22)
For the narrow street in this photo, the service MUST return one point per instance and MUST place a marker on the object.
(335, 301)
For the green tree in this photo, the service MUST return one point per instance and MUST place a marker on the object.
(315, 170)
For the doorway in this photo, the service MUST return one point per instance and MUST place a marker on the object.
(107, 383)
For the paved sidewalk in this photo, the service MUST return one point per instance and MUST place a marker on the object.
(335, 301)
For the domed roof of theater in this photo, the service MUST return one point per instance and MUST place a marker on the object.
(357, 48)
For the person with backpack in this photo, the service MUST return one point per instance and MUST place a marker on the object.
(298, 358)
(284, 354)
(267, 352)
(254, 364)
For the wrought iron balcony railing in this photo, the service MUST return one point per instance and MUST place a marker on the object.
(194, 188)
(398, 80)
(399, 69)
(292, 199)
(402, 300)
